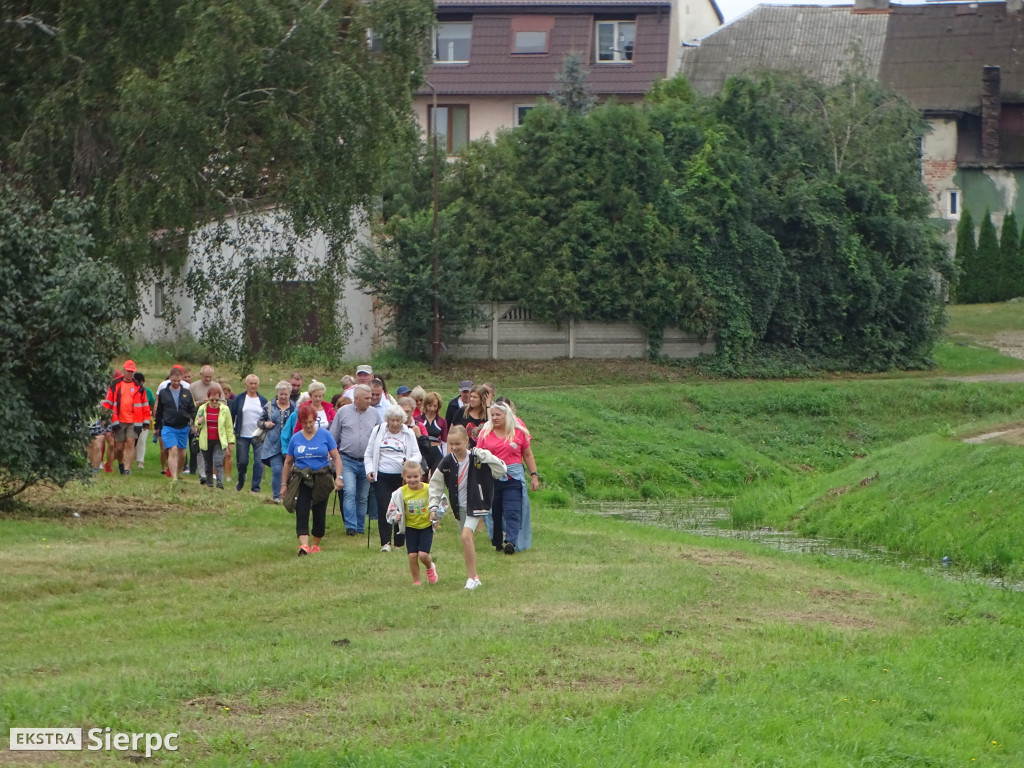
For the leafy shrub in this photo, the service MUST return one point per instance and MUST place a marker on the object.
(60, 321)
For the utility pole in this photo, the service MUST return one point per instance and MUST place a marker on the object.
(435, 344)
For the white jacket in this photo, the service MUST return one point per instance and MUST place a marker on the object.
(372, 456)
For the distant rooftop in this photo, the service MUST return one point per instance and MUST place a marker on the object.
(933, 54)
(817, 40)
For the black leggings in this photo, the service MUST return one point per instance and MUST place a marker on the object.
(385, 485)
(303, 504)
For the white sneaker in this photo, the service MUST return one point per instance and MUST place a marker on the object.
(472, 583)
(476, 580)
(386, 548)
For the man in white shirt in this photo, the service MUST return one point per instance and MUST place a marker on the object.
(364, 373)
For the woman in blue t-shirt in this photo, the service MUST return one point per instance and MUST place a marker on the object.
(312, 449)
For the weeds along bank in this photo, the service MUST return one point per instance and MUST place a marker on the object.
(877, 462)
(931, 497)
(720, 438)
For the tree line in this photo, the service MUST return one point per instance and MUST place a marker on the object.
(990, 268)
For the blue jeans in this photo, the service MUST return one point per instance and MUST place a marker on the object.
(506, 511)
(276, 463)
(242, 463)
(353, 498)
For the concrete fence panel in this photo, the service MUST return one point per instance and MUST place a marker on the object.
(511, 334)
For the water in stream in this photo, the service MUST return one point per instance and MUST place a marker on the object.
(709, 517)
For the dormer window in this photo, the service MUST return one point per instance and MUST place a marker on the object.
(452, 41)
(530, 34)
(615, 41)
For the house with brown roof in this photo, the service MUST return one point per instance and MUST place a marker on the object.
(961, 64)
(493, 59)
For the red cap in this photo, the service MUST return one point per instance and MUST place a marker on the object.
(129, 366)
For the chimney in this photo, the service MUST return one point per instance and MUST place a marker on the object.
(880, 5)
(990, 115)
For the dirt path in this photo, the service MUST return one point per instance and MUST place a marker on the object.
(1011, 344)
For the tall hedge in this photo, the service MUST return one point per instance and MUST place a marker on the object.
(785, 217)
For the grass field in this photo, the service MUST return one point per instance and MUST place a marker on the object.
(610, 643)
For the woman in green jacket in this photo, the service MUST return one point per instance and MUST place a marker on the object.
(216, 435)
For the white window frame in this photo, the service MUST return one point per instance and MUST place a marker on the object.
(437, 38)
(530, 51)
(519, 113)
(159, 297)
(618, 55)
(445, 140)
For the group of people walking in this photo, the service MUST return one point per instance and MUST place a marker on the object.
(393, 459)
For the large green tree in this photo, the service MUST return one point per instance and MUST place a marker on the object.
(836, 183)
(172, 114)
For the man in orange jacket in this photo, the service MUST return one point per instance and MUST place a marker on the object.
(126, 400)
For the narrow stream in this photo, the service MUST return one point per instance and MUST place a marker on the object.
(710, 517)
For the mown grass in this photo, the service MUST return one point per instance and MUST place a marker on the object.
(967, 357)
(608, 644)
(983, 322)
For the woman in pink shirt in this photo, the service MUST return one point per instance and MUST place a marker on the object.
(509, 440)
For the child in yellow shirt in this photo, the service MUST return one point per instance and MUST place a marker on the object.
(408, 508)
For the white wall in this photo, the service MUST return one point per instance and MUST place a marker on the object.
(938, 165)
(357, 305)
(691, 20)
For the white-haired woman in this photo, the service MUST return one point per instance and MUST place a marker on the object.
(275, 414)
(324, 411)
(391, 444)
(509, 440)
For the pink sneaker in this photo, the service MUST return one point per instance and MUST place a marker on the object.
(315, 548)
(432, 574)
(304, 550)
